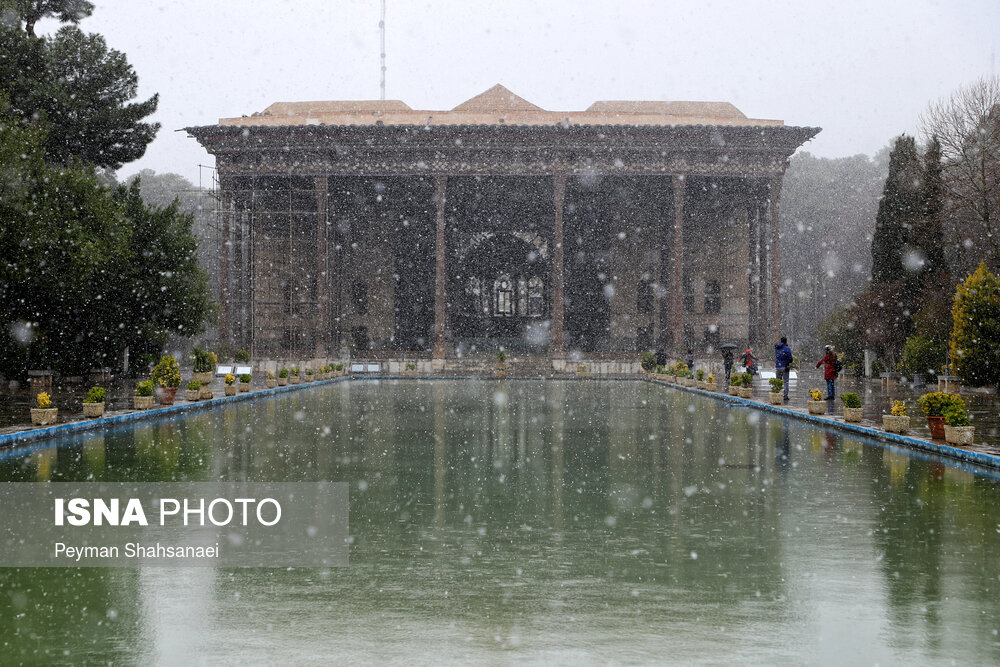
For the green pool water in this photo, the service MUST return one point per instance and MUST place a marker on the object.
(542, 521)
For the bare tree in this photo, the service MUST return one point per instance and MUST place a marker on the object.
(967, 123)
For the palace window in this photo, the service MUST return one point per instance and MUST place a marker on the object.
(644, 297)
(713, 300)
(359, 294)
(503, 296)
(536, 297)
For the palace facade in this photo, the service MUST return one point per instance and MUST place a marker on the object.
(393, 231)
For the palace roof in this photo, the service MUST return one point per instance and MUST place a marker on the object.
(499, 106)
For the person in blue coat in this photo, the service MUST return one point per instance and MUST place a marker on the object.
(783, 362)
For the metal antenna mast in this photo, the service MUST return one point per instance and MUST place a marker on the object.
(381, 27)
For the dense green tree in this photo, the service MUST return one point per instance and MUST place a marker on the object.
(898, 210)
(975, 338)
(927, 236)
(30, 12)
(87, 270)
(82, 89)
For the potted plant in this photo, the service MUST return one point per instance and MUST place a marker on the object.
(193, 392)
(853, 412)
(230, 384)
(816, 404)
(293, 377)
(245, 379)
(241, 357)
(272, 381)
(710, 383)
(339, 368)
(746, 385)
(167, 378)
(309, 375)
(93, 404)
(777, 384)
(898, 421)
(734, 384)
(700, 378)
(44, 413)
(957, 429)
(283, 377)
(934, 404)
(500, 370)
(143, 397)
(204, 364)
(410, 369)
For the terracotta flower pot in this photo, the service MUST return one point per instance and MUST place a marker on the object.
(166, 395)
(959, 435)
(817, 407)
(44, 416)
(93, 410)
(230, 390)
(936, 425)
(775, 397)
(853, 415)
(142, 402)
(894, 424)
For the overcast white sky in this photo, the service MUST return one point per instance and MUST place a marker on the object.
(863, 70)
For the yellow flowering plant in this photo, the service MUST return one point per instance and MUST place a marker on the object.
(816, 394)
(898, 409)
(43, 400)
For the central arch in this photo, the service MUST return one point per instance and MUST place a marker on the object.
(505, 290)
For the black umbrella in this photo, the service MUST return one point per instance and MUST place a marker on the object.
(727, 346)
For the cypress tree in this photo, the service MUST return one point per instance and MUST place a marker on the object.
(927, 236)
(898, 210)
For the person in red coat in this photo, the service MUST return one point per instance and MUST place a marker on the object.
(829, 364)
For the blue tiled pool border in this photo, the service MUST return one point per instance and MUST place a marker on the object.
(163, 412)
(909, 442)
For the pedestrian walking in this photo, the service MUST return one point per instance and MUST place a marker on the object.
(689, 359)
(829, 364)
(783, 363)
(727, 361)
(749, 361)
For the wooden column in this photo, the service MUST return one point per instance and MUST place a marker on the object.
(440, 295)
(558, 285)
(238, 278)
(774, 258)
(225, 261)
(677, 281)
(322, 272)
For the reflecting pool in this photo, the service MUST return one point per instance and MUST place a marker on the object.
(556, 521)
